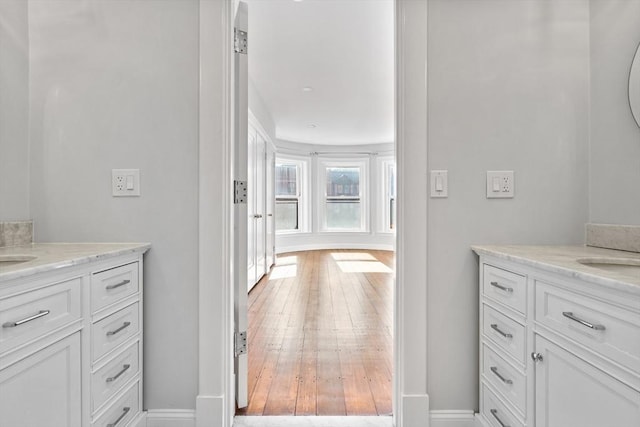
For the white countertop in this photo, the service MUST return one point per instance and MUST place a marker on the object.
(564, 260)
(52, 256)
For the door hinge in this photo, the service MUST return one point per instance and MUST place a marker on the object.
(240, 43)
(240, 344)
(239, 192)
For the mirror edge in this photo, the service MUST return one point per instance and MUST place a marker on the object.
(634, 86)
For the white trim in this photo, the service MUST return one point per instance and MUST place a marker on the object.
(452, 419)
(170, 418)
(215, 309)
(324, 246)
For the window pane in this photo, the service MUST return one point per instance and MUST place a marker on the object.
(343, 214)
(392, 213)
(392, 182)
(286, 214)
(286, 180)
(343, 182)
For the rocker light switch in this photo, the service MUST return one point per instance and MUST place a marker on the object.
(439, 184)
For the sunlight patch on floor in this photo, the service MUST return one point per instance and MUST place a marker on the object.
(363, 267)
(283, 272)
(287, 260)
(352, 256)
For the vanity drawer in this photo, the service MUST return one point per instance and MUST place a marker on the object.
(123, 410)
(505, 378)
(27, 316)
(496, 412)
(114, 330)
(113, 285)
(110, 378)
(609, 330)
(505, 287)
(505, 332)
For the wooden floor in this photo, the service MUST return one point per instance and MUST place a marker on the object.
(319, 335)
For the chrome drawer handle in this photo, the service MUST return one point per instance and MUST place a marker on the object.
(570, 315)
(117, 285)
(494, 412)
(125, 411)
(124, 325)
(40, 314)
(504, 334)
(503, 288)
(116, 376)
(257, 216)
(494, 369)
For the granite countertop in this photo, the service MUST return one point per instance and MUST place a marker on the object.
(52, 256)
(564, 260)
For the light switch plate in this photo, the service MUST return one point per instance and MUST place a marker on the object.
(500, 185)
(439, 184)
(125, 182)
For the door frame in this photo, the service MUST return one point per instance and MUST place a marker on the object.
(215, 403)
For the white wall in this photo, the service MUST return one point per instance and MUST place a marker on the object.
(114, 84)
(261, 112)
(615, 137)
(508, 90)
(14, 110)
(313, 237)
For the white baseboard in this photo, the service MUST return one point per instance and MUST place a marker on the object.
(452, 419)
(171, 418)
(210, 411)
(325, 246)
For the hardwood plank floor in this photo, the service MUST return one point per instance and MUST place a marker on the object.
(319, 335)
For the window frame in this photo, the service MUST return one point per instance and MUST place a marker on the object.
(303, 194)
(386, 165)
(363, 165)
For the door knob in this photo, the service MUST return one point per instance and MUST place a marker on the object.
(536, 357)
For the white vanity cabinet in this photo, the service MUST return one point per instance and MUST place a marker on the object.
(71, 344)
(556, 350)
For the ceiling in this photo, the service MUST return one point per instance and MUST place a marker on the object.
(343, 49)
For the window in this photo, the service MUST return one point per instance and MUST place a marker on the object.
(343, 207)
(290, 188)
(391, 195)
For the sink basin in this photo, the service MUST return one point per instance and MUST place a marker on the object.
(9, 260)
(626, 266)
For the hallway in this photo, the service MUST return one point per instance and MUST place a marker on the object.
(320, 335)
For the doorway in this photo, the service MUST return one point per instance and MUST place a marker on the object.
(319, 346)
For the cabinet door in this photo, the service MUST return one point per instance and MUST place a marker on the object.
(570, 392)
(251, 209)
(261, 207)
(43, 389)
(271, 205)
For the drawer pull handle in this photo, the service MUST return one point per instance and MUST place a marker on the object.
(124, 413)
(116, 376)
(117, 285)
(40, 314)
(570, 315)
(494, 369)
(124, 325)
(494, 412)
(502, 288)
(494, 326)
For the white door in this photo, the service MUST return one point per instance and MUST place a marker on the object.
(44, 389)
(271, 205)
(260, 216)
(570, 392)
(252, 208)
(241, 123)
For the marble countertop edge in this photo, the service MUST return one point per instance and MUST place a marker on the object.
(55, 256)
(569, 266)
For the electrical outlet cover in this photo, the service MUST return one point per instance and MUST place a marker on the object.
(119, 182)
(505, 189)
